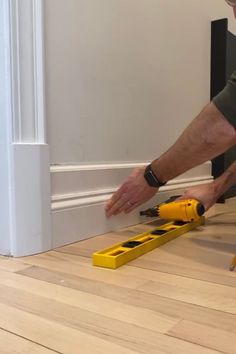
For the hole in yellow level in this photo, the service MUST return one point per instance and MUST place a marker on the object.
(146, 239)
(116, 253)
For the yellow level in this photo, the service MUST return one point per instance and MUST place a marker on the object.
(121, 253)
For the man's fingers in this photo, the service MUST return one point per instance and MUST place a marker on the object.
(116, 196)
(124, 207)
(130, 208)
(115, 207)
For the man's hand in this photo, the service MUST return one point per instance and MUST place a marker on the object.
(133, 192)
(204, 193)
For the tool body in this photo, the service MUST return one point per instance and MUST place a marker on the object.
(183, 216)
(184, 210)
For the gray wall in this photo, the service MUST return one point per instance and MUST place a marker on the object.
(124, 77)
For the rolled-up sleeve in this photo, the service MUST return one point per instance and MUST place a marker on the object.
(225, 101)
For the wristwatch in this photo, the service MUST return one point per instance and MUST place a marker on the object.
(151, 178)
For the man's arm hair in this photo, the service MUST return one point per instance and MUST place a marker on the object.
(208, 135)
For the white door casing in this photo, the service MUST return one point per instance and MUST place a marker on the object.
(25, 221)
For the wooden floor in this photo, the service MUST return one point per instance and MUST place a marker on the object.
(179, 298)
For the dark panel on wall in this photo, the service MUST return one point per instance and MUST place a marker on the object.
(218, 55)
(230, 156)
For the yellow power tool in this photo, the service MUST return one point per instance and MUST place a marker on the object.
(183, 210)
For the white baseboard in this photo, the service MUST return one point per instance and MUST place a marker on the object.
(79, 194)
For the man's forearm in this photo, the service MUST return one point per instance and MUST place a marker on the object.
(209, 135)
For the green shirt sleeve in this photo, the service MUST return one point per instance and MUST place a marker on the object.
(225, 101)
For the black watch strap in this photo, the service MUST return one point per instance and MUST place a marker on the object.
(151, 178)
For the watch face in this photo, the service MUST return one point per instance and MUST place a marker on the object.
(151, 179)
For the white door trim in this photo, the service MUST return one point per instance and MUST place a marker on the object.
(24, 150)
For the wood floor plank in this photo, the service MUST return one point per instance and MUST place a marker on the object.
(190, 270)
(11, 265)
(204, 252)
(13, 344)
(173, 279)
(169, 307)
(69, 328)
(55, 336)
(113, 309)
(205, 336)
(53, 261)
(189, 253)
(214, 296)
